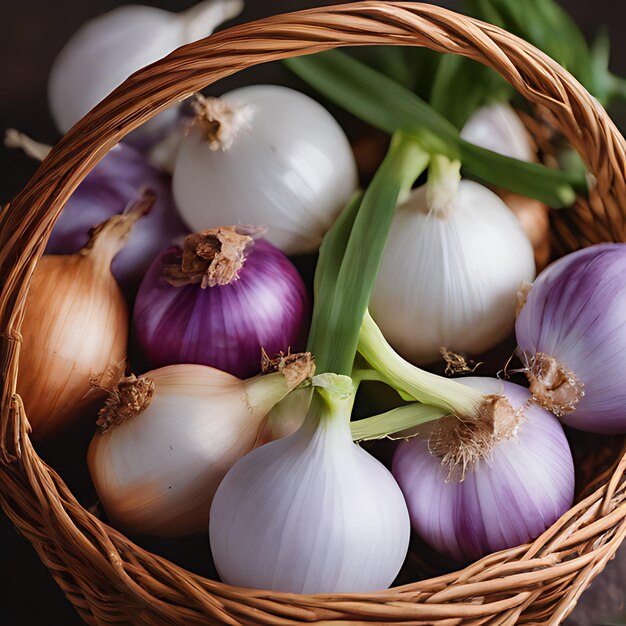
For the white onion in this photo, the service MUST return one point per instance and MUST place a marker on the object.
(497, 127)
(452, 266)
(312, 513)
(108, 49)
(275, 157)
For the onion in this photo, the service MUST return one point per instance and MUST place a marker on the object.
(571, 335)
(115, 182)
(498, 127)
(311, 513)
(265, 155)
(474, 489)
(118, 180)
(219, 302)
(75, 328)
(167, 438)
(454, 260)
(108, 49)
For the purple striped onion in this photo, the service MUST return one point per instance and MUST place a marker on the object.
(519, 487)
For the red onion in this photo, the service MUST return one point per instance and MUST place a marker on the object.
(571, 335)
(220, 301)
(116, 182)
(512, 484)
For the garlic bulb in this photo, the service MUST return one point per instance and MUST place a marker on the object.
(454, 260)
(167, 438)
(311, 513)
(75, 327)
(265, 155)
(108, 49)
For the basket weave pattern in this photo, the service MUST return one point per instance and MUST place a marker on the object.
(111, 580)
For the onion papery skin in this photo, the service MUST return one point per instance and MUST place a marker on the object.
(75, 328)
(116, 182)
(451, 281)
(224, 326)
(310, 513)
(157, 472)
(576, 314)
(505, 500)
(290, 167)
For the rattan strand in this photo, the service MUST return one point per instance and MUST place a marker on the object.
(111, 580)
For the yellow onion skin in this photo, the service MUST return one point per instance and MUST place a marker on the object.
(75, 330)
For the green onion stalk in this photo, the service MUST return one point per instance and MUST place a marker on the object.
(342, 327)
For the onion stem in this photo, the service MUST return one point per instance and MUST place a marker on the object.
(395, 421)
(444, 176)
(344, 280)
(449, 395)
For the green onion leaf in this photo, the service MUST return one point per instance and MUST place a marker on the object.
(385, 104)
(462, 85)
(342, 295)
(394, 421)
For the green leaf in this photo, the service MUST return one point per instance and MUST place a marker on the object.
(547, 26)
(383, 103)
(394, 421)
(461, 86)
(393, 61)
(341, 302)
(331, 255)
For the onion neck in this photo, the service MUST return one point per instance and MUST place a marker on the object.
(331, 405)
(213, 257)
(461, 444)
(220, 123)
(553, 385)
(282, 375)
(128, 399)
(202, 19)
(449, 395)
(444, 177)
(108, 238)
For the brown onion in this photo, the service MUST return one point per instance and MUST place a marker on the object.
(75, 328)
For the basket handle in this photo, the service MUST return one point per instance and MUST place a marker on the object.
(26, 224)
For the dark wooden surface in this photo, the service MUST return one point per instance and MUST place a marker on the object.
(33, 32)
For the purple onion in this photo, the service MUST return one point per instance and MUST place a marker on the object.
(509, 497)
(571, 335)
(116, 182)
(225, 325)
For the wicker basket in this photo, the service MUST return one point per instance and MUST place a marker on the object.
(111, 580)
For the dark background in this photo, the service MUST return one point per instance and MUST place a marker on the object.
(33, 32)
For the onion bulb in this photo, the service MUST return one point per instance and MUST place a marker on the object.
(265, 155)
(219, 301)
(311, 513)
(498, 127)
(108, 189)
(166, 440)
(75, 328)
(571, 336)
(108, 49)
(454, 260)
(475, 488)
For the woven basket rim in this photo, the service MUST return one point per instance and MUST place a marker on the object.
(106, 576)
